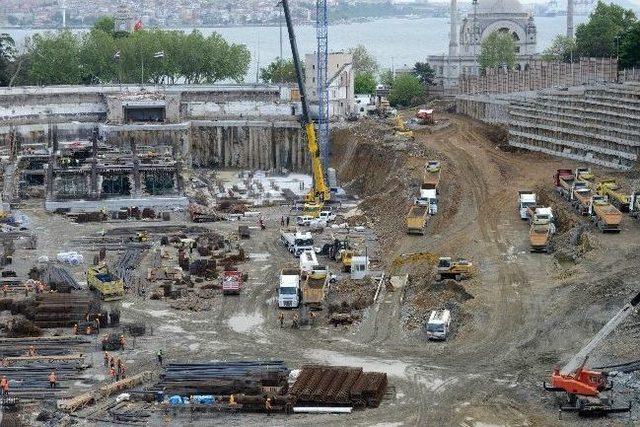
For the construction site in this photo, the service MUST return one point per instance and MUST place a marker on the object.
(203, 255)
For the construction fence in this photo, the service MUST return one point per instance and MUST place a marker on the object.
(541, 75)
(629, 75)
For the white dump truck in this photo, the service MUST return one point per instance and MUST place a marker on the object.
(428, 197)
(308, 261)
(437, 327)
(289, 288)
(296, 241)
(526, 199)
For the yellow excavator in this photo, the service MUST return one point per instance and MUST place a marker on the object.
(320, 193)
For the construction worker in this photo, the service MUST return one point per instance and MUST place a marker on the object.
(112, 373)
(287, 221)
(282, 221)
(53, 379)
(75, 329)
(121, 342)
(281, 319)
(32, 351)
(112, 362)
(294, 321)
(26, 291)
(122, 372)
(267, 406)
(159, 355)
(5, 290)
(106, 359)
(261, 223)
(4, 385)
(88, 330)
(312, 318)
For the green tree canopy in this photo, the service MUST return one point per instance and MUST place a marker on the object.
(97, 62)
(562, 49)
(54, 59)
(406, 91)
(365, 83)
(602, 35)
(498, 49)
(363, 60)
(386, 78)
(279, 71)
(106, 24)
(630, 47)
(424, 72)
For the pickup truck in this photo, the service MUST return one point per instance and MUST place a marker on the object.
(417, 219)
(231, 282)
(314, 287)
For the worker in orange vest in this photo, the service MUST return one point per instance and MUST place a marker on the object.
(112, 373)
(267, 406)
(122, 371)
(232, 401)
(53, 379)
(4, 385)
(75, 329)
(121, 342)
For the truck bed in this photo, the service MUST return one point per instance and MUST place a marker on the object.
(608, 217)
(313, 291)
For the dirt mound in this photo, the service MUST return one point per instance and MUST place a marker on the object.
(348, 295)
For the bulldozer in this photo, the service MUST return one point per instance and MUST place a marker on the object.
(108, 286)
(401, 129)
(457, 270)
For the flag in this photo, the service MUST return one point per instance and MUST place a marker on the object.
(138, 26)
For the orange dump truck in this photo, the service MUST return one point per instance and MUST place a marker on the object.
(605, 215)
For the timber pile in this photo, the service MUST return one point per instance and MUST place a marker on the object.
(333, 385)
(45, 346)
(244, 377)
(64, 310)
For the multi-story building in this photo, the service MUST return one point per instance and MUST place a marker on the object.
(341, 83)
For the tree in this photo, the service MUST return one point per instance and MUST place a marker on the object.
(424, 72)
(97, 61)
(7, 56)
(406, 91)
(106, 24)
(601, 36)
(562, 49)
(365, 83)
(498, 49)
(363, 61)
(279, 71)
(54, 59)
(630, 47)
(387, 78)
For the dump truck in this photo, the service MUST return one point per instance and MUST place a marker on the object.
(289, 288)
(108, 286)
(566, 183)
(417, 219)
(541, 230)
(295, 241)
(428, 197)
(606, 217)
(431, 175)
(617, 197)
(526, 199)
(582, 200)
(425, 117)
(314, 286)
(231, 282)
(457, 270)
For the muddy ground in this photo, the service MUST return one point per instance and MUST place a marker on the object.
(518, 316)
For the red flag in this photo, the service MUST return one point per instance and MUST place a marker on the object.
(138, 26)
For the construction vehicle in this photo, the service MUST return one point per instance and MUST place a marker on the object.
(320, 193)
(425, 117)
(612, 190)
(526, 200)
(141, 236)
(308, 261)
(289, 288)
(295, 241)
(541, 230)
(566, 183)
(584, 174)
(108, 286)
(199, 213)
(606, 217)
(431, 175)
(582, 199)
(585, 388)
(634, 204)
(314, 286)
(231, 282)
(417, 219)
(345, 257)
(438, 325)
(457, 270)
(401, 128)
(428, 197)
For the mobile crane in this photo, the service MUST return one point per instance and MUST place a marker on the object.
(320, 193)
(584, 387)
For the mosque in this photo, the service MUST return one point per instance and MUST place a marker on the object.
(486, 17)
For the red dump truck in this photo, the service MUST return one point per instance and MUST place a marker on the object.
(566, 183)
(231, 282)
(606, 217)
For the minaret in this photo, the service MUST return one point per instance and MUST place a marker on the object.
(453, 36)
(570, 19)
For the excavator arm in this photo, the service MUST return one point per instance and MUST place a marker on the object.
(320, 192)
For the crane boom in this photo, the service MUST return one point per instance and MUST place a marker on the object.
(578, 360)
(320, 193)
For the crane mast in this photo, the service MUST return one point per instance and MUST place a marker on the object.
(320, 193)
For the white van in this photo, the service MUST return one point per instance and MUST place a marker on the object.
(438, 325)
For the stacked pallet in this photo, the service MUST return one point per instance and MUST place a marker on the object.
(246, 377)
(334, 385)
(64, 310)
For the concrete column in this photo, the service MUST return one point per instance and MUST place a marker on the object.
(94, 164)
(137, 187)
